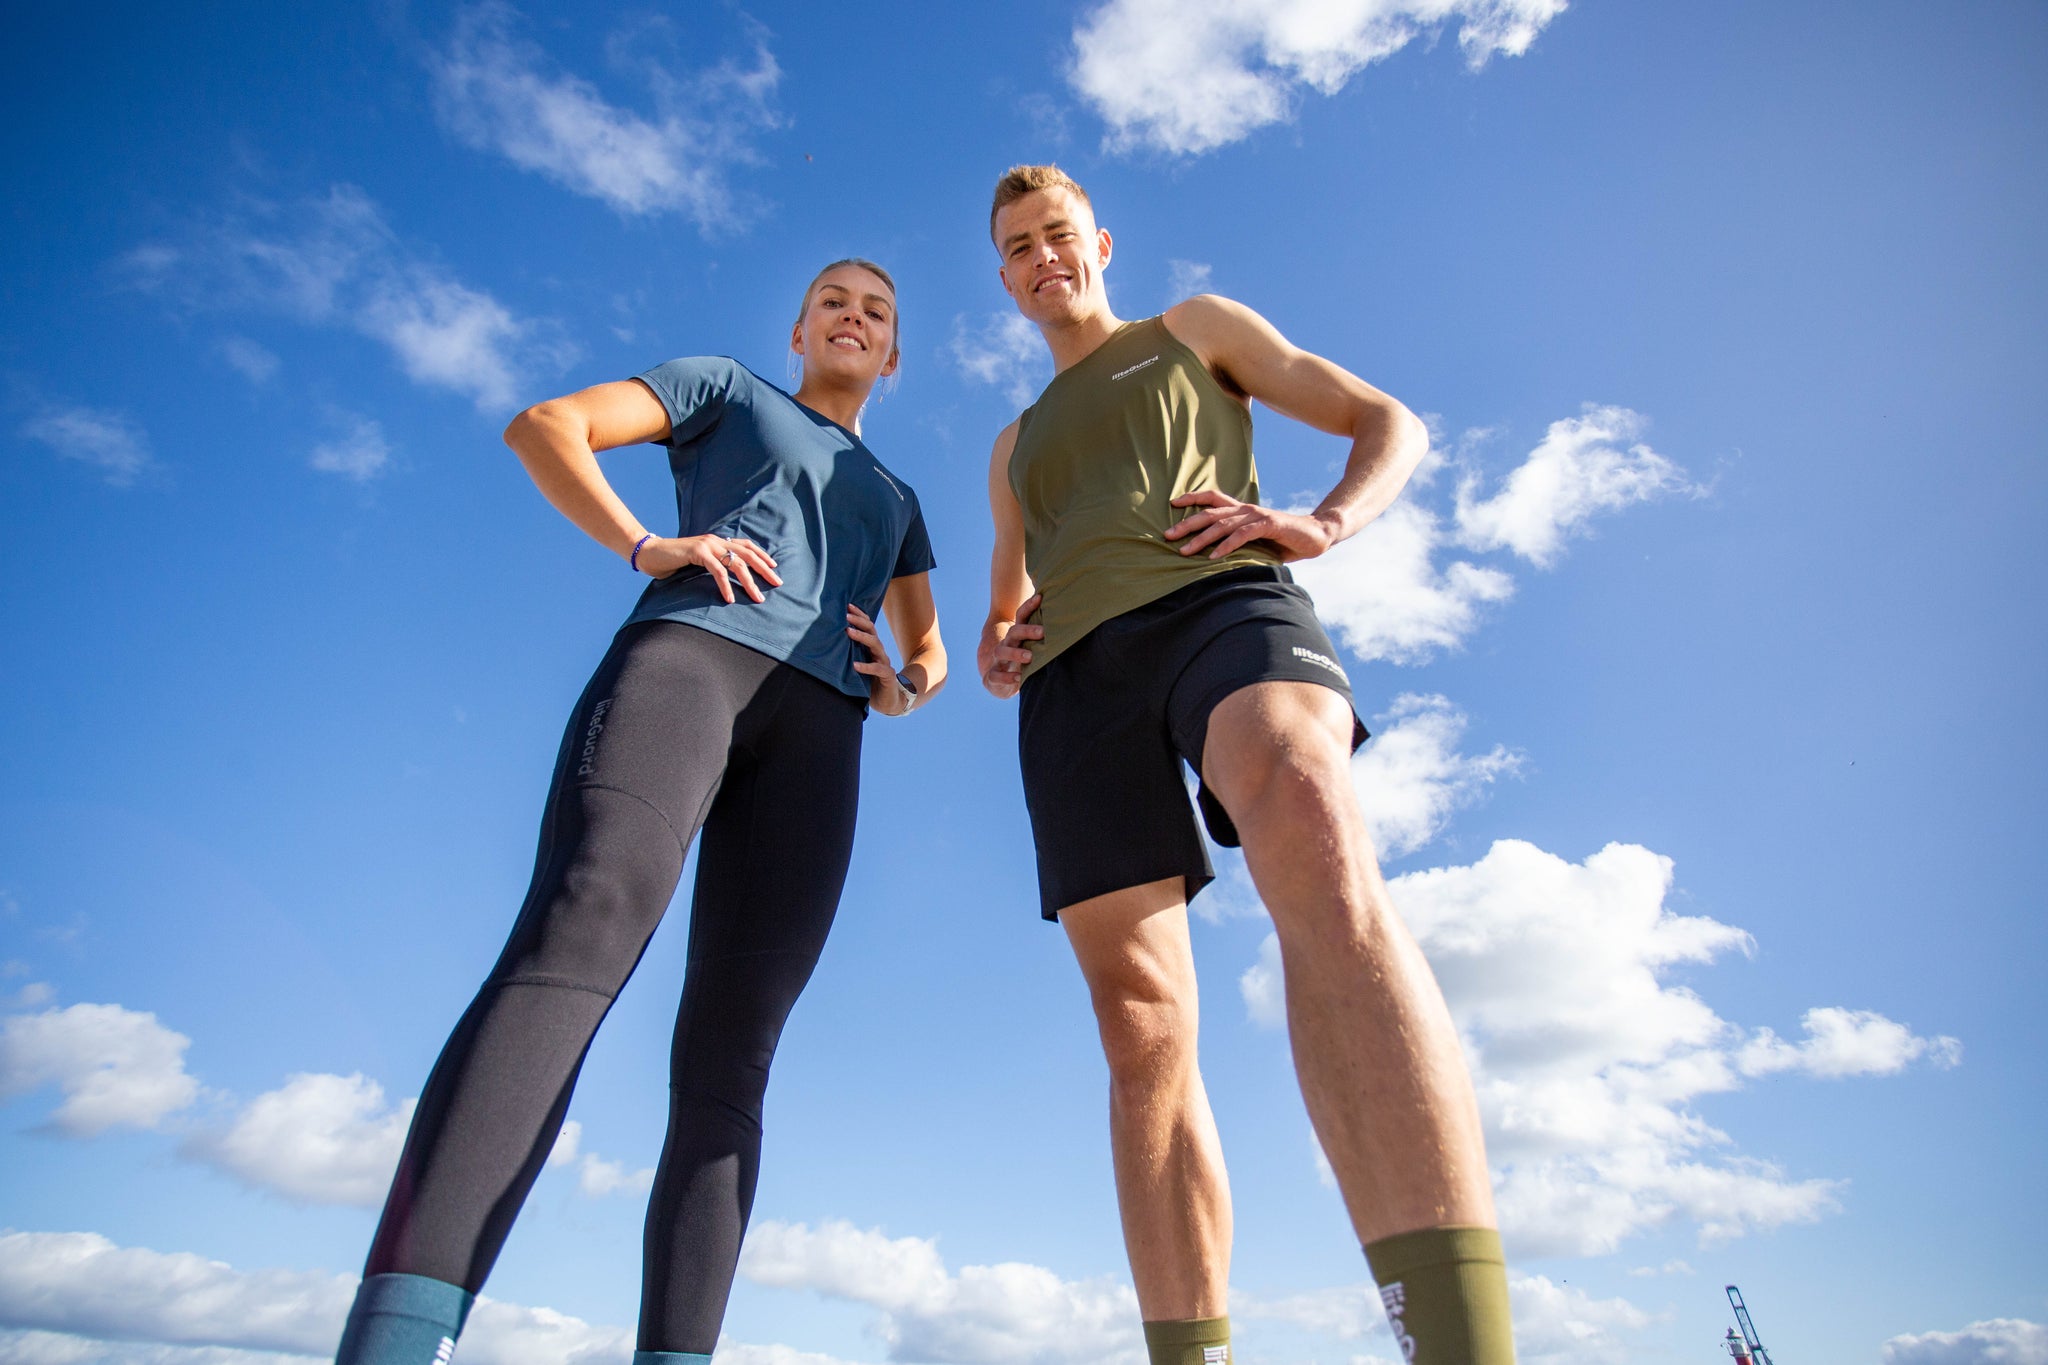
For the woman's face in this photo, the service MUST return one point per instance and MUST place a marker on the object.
(847, 334)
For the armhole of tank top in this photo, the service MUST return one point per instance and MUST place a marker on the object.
(1243, 405)
(1010, 465)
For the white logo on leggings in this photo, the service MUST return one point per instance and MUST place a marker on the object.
(589, 751)
(1322, 661)
(446, 1351)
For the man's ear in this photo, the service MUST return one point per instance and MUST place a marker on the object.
(1102, 247)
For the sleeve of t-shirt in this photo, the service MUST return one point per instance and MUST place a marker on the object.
(915, 554)
(694, 389)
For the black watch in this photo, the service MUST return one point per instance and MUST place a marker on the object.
(903, 681)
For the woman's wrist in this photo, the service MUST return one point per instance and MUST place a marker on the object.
(633, 557)
(907, 685)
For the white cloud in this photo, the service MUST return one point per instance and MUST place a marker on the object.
(507, 1334)
(318, 1139)
(1009, 1314)
(1382, 592)
(109, 442)
(360, 453)
(117, 1068)
(1185, 279)
(1264, 986)
(447, 334)
(333, 261)
(1412, 777)
(254, 362)
(1671, 1267)
(81, 1283)
(78, 1296)
(567, 1141)
(1558, 1325)
(1843, 1042)
(598, 1177)
(1382, 595)
(1587, 464)
(1588, 1061)
(498, 94)
(1998, 1341)
(1003, 350)
(1346, 1312)
(1186, 76)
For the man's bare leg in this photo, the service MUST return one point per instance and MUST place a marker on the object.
(1374, 1046)
(1170, 1184)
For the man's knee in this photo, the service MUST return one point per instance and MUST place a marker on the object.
(1148, 1029)
(1283, 749)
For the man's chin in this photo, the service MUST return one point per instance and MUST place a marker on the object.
(1056, 311)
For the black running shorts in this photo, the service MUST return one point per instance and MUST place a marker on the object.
(1103, 728)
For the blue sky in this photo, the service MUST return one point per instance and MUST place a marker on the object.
(1705, 656)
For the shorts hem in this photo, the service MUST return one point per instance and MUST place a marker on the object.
(1193, 881)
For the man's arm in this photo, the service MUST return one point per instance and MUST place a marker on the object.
(1002, 655)
(1248, 354)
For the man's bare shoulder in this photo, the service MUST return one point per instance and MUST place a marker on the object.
(1210, 317)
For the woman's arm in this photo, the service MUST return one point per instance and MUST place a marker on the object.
(558, 442)
(914, 621)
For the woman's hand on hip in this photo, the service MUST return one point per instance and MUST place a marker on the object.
(885, 689)
(725, 560)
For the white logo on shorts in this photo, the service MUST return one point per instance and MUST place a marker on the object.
(1216, 1355)
(1322, 661)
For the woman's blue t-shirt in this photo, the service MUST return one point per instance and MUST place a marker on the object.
(752, 463)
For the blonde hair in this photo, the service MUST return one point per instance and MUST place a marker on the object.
(1019, 181)
(895, 341)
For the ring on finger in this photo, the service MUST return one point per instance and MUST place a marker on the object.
(729, 555)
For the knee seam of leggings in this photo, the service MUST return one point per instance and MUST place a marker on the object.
(682, 843)
(555, 983)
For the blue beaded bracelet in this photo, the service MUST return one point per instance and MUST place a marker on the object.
(633, 559)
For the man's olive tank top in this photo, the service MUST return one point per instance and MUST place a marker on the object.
(1100, 457)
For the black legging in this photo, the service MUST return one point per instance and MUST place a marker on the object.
(680, 729)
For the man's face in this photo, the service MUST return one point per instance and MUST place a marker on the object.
(1053, 256)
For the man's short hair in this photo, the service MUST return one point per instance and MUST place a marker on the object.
(1019, 181)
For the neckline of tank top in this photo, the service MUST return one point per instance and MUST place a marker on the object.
(1123, 330)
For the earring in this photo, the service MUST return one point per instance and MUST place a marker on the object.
(795, 368)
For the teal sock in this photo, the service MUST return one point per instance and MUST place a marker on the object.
(670, 1358)
(403, 1320)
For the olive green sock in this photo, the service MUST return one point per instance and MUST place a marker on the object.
(1446, 1295)
(1189, 1341)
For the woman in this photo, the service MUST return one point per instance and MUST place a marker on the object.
(731, 701)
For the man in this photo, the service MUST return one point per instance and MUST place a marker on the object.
(1138, 602)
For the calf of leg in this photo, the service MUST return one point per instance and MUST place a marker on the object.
(1172, 1191)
